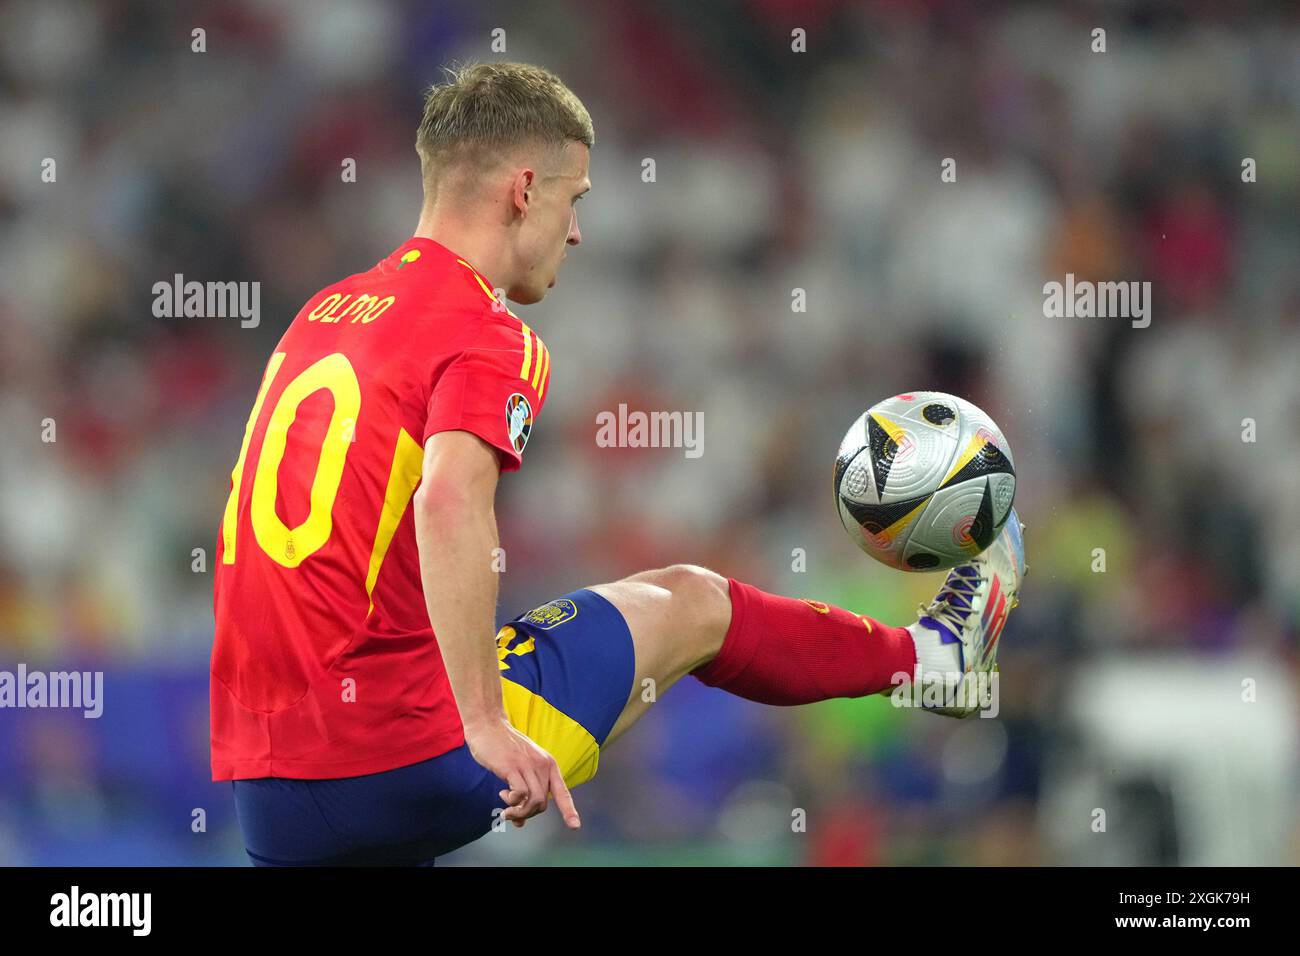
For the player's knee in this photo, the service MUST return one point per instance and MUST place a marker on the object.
(704, 595)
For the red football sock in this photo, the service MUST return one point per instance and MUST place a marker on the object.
(782, 650)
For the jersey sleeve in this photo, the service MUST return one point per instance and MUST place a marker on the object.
(494, 388)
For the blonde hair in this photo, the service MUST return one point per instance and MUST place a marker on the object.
(483, 108)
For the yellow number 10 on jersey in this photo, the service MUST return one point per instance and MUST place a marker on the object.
(291, 546)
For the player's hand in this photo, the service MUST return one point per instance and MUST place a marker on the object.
(531, 772)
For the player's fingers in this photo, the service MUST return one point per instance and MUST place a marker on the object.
(517, 797)
(524, 787)
(519, 812)
(564, 799)
(517, 780)
(537, 794)
(516, 806)
(542, 788)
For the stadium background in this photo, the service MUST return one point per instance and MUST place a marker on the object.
(775, 170)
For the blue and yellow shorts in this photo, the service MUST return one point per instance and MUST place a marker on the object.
(566, 673)
(567, 670)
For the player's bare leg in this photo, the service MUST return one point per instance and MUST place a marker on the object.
(678, 617)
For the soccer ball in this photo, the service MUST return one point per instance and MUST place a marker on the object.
(924, 481)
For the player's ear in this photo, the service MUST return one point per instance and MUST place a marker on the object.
(523, 192)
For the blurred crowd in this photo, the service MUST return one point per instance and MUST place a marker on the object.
(1156, 465)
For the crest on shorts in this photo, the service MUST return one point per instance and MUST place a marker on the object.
(551, 614)
(519, 420)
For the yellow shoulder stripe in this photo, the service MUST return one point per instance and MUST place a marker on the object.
(479, 279)
(543, 359)
(539, 370)
(528, 351)
(546, 375)
(536, 366)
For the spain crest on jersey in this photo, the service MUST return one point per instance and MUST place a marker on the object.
(519, 420)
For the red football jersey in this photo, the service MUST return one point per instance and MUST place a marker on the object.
(324, 663)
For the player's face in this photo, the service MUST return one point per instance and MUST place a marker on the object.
(551, 224)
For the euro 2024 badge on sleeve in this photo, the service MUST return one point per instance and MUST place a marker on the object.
(519, 420)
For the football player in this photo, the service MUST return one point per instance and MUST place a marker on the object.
(359, 703)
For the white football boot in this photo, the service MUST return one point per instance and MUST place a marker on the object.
(957, 633)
